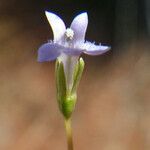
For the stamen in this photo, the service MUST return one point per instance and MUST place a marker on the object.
(69, 34)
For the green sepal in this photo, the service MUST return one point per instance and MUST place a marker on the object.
(77, 74)
(60, 83)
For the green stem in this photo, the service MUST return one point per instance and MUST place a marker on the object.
(69, 133)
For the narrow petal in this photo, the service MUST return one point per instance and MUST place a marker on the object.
(48, 52)
(92, 49)
(57, 25)
(79, 26)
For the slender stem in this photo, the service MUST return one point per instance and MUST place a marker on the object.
(69, 133)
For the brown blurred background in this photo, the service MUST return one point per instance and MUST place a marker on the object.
(113, 108)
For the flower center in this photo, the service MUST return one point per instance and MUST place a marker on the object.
(69, 34)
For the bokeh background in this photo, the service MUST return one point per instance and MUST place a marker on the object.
(113, 108)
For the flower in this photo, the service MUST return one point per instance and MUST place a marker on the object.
(68, 44)
(70, 41)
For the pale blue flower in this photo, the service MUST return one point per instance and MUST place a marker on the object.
(68, 44)
(70, 41)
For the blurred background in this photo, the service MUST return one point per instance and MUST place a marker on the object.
(113, 108)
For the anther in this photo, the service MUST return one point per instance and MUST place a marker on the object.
(69, 34)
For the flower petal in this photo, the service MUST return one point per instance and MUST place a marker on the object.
(79, 26)
(48, 52)
(72, 51)
(92, 49)
(57, 25)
